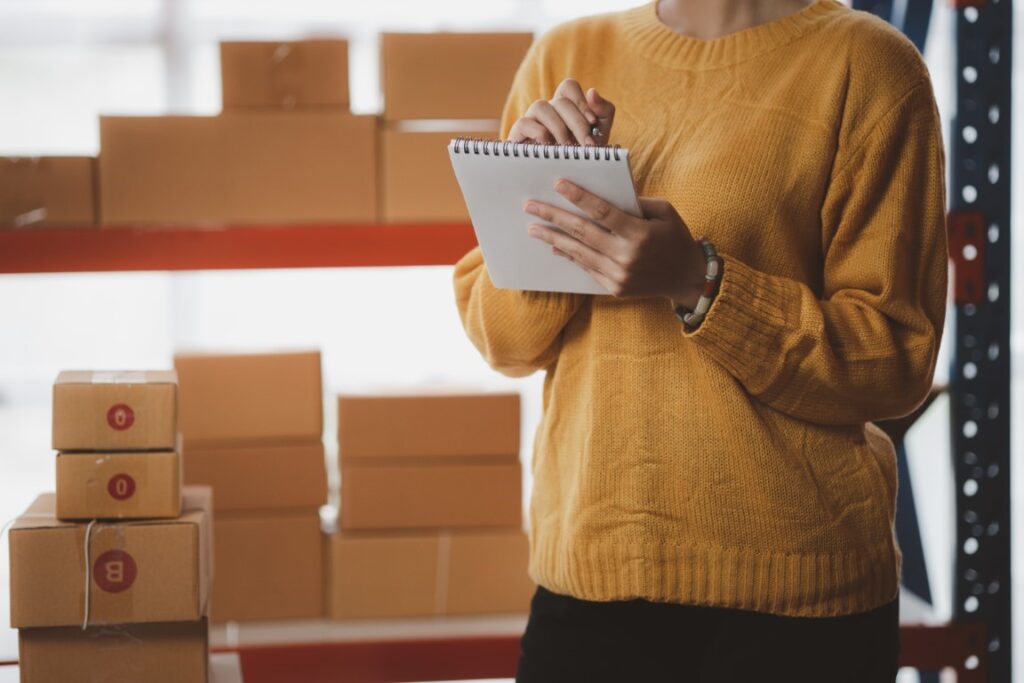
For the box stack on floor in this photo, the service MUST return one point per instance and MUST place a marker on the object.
(252, 426)
(286, 148)
(431, 507)
(111, 574)
(47, 192)
(438, 86)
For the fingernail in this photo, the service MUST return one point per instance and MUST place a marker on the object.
(562, 186)
(531, 208)
(591, 118)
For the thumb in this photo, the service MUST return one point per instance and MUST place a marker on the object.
(604, 109)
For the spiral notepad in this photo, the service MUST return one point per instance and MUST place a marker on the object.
(498, 177)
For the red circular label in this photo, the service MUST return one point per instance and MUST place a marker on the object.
(121, 486)
(114, 571)
(120, 417)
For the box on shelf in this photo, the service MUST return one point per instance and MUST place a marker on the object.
(261, 476)
(417, 181)
(139, 571)
(176, 652)
(422, 574)
(428, 424)
(431, 496)
(110, 485)
(98, 411)
(238, 168)
(449, 75)
(240, 398)
(269, 566)
(284, 75)
(47, 191)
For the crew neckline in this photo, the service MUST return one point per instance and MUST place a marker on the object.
(656, 40)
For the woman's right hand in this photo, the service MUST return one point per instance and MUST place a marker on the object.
(567, 118)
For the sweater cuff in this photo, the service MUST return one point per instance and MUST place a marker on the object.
(744, 328)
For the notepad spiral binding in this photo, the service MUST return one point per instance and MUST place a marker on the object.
(535, 150)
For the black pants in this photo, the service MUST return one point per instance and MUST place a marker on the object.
(568, 639)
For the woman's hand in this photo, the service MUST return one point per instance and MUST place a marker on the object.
(567, 118)
(637, 257)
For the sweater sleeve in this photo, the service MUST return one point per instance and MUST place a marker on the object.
(866, 349)
(517, 332)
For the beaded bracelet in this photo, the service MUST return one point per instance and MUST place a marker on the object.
(712, 277)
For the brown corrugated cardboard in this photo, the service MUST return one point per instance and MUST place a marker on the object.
(430, 496)
(47, 191)
(449, 75)
(260, 476)
(115, 411)
(238, 168)
(284, 75)
(139, 571)
(176, 652)
(417, 182)
(117, 485)
(422, 574)
(418, 425)
(269, 566)
(227, 399)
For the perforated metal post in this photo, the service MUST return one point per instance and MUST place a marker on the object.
(979, 232)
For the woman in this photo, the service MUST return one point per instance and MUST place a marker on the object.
(711, 500)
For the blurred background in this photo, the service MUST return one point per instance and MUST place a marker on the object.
(65, 62)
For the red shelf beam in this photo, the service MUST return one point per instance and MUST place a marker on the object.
(84, 250)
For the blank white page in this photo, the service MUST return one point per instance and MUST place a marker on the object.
(497, 178)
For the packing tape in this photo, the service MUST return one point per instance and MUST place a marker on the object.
(119, 377)
(444, 552)
(285, 75)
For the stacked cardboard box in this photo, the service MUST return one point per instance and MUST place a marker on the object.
(285, 150)
(431, 507)
(124, 595)
(252, 428)
(47, 191)
(459, 80)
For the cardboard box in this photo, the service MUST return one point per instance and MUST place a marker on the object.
(115, 411)
(117, 485)
(284, 75)
(417, 181)
(175, 652)
(430, 496)
(139, 571)
(47, 191)
(458, 572)
(246, 398)
(238, 168)
(449, 75)
(260, 476)
(269, 566)
(418, 425)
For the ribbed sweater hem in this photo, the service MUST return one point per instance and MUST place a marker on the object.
(792, 584)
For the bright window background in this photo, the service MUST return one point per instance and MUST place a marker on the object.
(64, 62)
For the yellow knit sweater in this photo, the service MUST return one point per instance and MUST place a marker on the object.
(737, 465)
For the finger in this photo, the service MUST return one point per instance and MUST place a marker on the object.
(530, 129)
(542, 111)
(570, 88)
(604, 110)
(577, 227)
(604, 281)
(574, 119)
(577, 252)
(600, 211)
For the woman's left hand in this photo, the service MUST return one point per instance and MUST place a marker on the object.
(655, 255)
